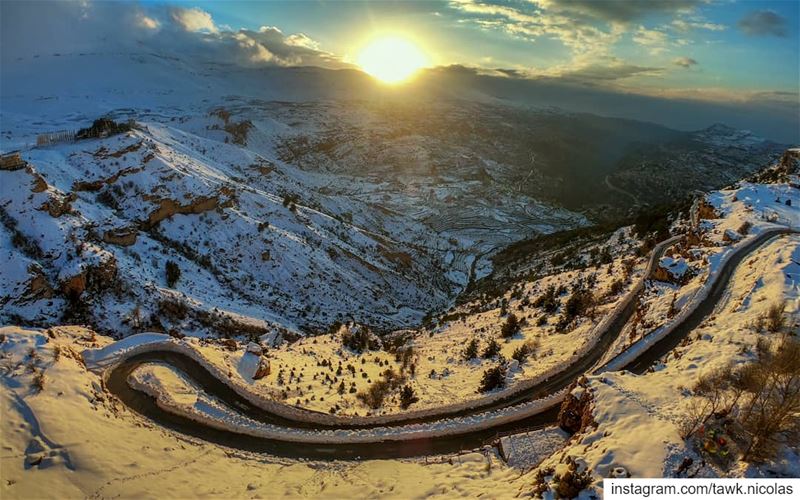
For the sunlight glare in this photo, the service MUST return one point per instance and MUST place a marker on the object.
(391, 59)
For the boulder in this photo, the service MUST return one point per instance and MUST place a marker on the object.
(673, 270)
(262, 370)
(254, 348)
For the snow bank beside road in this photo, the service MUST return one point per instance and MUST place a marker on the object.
(719, 261)
(210, 412)
(98, 359)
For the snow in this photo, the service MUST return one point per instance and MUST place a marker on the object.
(527, 449)
(93, 446)
(745, 204)
(676, 267)
(638, 415)
(366, 242)
(73, 424)
(98, 359)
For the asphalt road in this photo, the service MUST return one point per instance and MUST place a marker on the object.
(146, 405)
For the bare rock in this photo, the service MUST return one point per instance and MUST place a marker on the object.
(262, 370)
(38, 286)
(254, 348)
(575, 414)
(229, 344)
(74, 286)
(123, 237)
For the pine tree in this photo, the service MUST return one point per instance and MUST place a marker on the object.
(510, 327)
(492, 349)
(407, 396)
(471, 351)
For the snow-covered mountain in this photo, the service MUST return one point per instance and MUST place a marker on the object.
(286, 197)
(201, 184)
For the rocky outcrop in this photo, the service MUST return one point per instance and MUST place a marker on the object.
(38, 286)
(11, 161)
(673, 270)
(123, 237)
(262, 370)
(693, 238)
(229, 344)
(575, 414)
(103, 275)
(787, 169)
(97, 277)
(706, 210)
(97, 185)
(58, 205)
(790, 162)
(168, 207)
(103, 127)
(39, 184)
(74, 286)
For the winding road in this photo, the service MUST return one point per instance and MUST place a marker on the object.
(621, 191)
(382, 447)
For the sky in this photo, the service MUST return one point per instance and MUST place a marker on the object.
(742, 52)
(715, 48)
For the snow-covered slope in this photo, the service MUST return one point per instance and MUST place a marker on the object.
(258, 238)
(251, 237)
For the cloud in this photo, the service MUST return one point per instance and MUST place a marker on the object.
(302, 40)
(607, 73)
(764, 23)
(684, 62)
(654, 39)
(532, 21)
(604, 70)
(147, 22)
(91, 26)
(622, 11)
(193, 19)
(685, 26)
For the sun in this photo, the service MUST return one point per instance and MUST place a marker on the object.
(391, 59)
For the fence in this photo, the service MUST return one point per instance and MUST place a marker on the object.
(49, 138)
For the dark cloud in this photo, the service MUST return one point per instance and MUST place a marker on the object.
(620, 10)
(684, 62)
(586, 75)
(607, 73)
(511, 73)
(764, 23)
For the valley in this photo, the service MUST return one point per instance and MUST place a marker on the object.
(281, 278)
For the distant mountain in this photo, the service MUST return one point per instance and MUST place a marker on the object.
(298, 197)
(699, 161)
